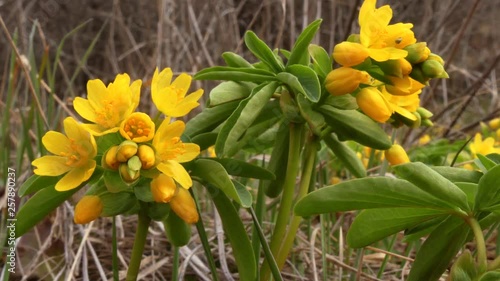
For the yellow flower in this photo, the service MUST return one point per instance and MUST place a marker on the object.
(87, 209)
(345, 80)
(403, 105)
(138, 127)
(494, 123)
(107, 107)
(74, 155)
(373, 104)
(170, 98)
(425, 139)
(171, 151)
(126, 150)
(483, 147)
(396, 155)
(211, 151)
(184, 206)
(147, 156)
(163, 188)
(403, 86)
(350, 53)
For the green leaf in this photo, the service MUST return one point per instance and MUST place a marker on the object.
(143, 192)
(263, 52)
(215, 174)
(366, 193)
(464, 268)
(235, 74)
(315, 119)
(39, 206)
(229, 91)
(241, 119)
(279, 157)
(439, 249)
(235, 60)
(490, 276)
(488, 190)
(346, 102)
(204, 140)
(236, 233)
(486, 162)
(470, 189)
(422, 229)
(116, 203)
(244, 169)
(432, 182)
(354, 125)
(372, 225)
(495, 157)
(346, 155)
(322, 61)
(36, 183)
(177, 230)
(303, 80)
(158, 211)
(108, 140)
(299, 53)
(114, 182)
(454, 174)
(210, 118)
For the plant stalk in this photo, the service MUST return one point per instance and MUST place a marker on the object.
(138, 248)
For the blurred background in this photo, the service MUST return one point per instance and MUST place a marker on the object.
(88, 39)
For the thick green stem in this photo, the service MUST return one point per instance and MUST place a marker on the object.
(310, 154)
(175, 264)
(287, 196)
(139, 242)
(480, 244)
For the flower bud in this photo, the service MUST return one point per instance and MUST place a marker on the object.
(138, 127)
(373, 104)
(494, 123)
(147, 156)
(426, 114)
(163, 188)
(417, 52)
(425, 139)
(418, 75)
(433, 69)
(87, 209)
(435, 57)
(126, 150)
(345, 80)
(109, 159)
(128, 175)
(396, 155)
(350, 54)
(184, 206)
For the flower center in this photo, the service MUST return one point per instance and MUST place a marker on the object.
(106, 117)
(179, 92)
(77, 155)
(175, 148)
(135, 127)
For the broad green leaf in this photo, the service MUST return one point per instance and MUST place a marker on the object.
(432, 182)
(316, 121)
(306, 81)
(464, 268)
(488, 191)
(423, 229)
(263, 52)
(143, 192)
(108, 140)
(346, 155)
(372, 225)
(36, 183)
(470, 189)
(366, 193)
(490, 276)
(229, 91)
(235, 60)
(114, 182)
(235, 74)
(322, 61)
(241, 119)
(244, 169)
(116, 203)
(458, 174)
(279, 157)
(354, 125)
(495, 157)
(215, 174)
(439, 249)
(236, 233)
(210, 118)
(205, 140)
(39, 206)
(158, 211)
(177, 230)
(346, 102)
(485, 161)
(299, 54)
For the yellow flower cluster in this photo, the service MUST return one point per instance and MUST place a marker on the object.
(384, 67)
(144, 148)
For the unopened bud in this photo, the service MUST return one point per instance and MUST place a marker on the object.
(128, 175)
(147, 156)
(87, 209)
(126, 150)
(109, 159)
(373, 104)
(184, 206)
(494, 123)
(424, 113)
(433, 69)
(437, 58)
(345, 80)
(417, 52)
(163, 188)
(396, 155)
(350, 54)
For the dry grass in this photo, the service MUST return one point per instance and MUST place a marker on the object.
(138, 36)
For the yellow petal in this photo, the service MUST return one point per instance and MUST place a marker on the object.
(50, 165)
(56, 142)
(88, 209)
(167, 131)
(176, 171)
(366, 10)
(192, 150)
(184, 206)
(182, 82)
(389, 53)
(98, 131)
(76, 176)
(349, 53)
(373, 104)
(186, 105)
(163, 188)
(96, 93)
(135, 88)
(83, 107)
(405, 113)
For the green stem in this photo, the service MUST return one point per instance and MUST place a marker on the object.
(115, 252)
(480, 244)
(495, 264)
(287, 196)
(175, 264)
(386, 258)
(138, 248)
(259, 214)
(305, 182)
